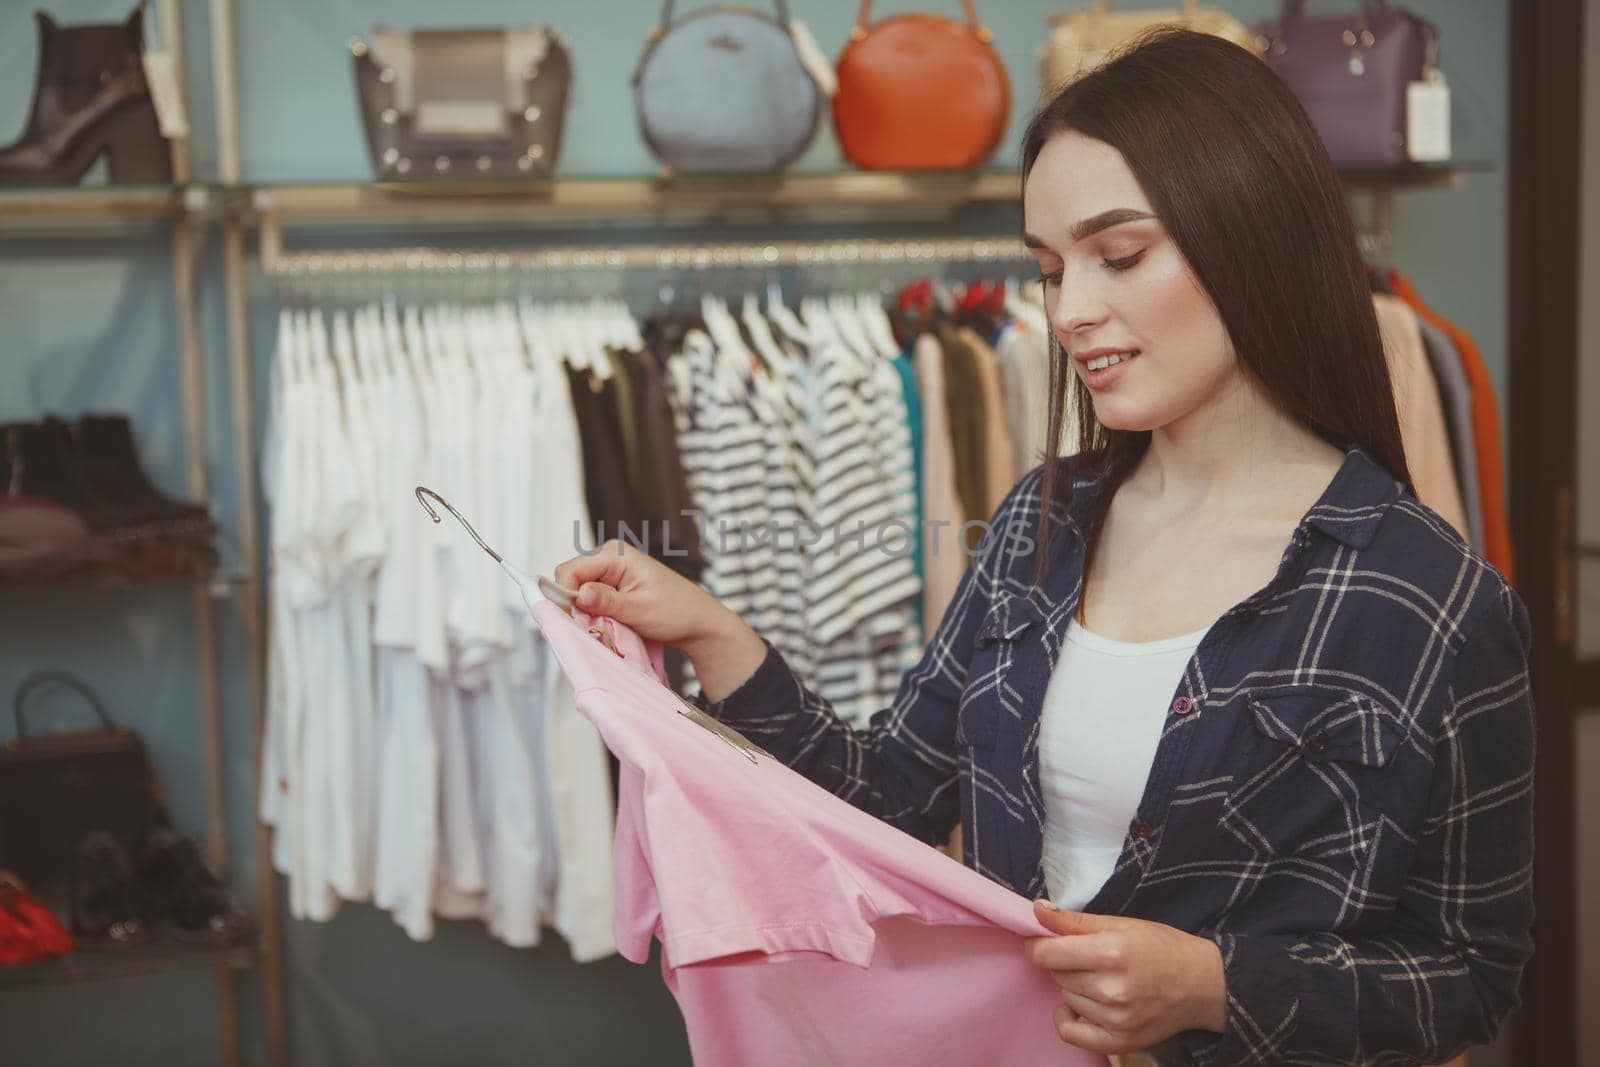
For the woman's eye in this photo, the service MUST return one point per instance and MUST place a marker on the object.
(1050, 278)
(1124, 263)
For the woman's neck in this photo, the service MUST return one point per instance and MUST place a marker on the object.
(1234, 455)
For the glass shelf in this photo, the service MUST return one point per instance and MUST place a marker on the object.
(97, 210)
(221, 585)
(852, 196)
(155, 958)
(843, 196)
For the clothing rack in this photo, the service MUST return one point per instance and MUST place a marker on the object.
(904, 251)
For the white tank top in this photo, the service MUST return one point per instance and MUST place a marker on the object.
(1104, 710)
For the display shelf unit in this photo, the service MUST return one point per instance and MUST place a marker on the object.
(175, 212)
(159, 957)
(703, 201)
(218, 585)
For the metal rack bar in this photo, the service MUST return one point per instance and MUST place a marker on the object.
(191, 361)
(906, 251)
(236, 295)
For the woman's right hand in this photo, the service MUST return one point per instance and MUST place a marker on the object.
(620, 582)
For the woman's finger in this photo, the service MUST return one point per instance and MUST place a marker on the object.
(606, 565)
(1076, 1028)
(1068, 952)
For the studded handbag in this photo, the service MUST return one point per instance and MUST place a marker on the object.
(1082, 38)
(450, 104)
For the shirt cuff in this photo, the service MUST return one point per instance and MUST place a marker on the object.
(1264, 1005)
(762, 694)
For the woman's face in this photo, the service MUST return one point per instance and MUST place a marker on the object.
(1114, 282)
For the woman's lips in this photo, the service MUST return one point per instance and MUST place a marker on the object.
(1108, 376)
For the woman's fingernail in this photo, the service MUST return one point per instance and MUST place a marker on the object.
(587, 596)
(1047, 904)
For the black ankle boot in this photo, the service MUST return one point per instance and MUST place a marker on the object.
(186, 894)
(107, 909)
(90, 97)
(42, 462)
(111, 471)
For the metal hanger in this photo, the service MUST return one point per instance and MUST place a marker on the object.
(565, 597)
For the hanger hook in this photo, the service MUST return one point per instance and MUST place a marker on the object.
(423, 493)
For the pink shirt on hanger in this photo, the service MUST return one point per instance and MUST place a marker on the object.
(796, 928)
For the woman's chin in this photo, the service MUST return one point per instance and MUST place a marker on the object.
(1117, 414)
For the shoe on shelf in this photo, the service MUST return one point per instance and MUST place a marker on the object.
(107, 908)
(90, 98)
(111, 471)
(185, 894)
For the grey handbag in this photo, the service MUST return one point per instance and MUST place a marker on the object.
(724, 89)
(452, 104)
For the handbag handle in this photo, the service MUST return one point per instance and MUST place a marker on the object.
(1296, 9)
(864, 14)
(1191, 8)
(38, 678)
(668, 5)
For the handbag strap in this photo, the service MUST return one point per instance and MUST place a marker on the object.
(1296, 9)
(668, 5)
(1191, 8)
(39, 678)
(864, 14)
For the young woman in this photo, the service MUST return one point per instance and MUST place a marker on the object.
(1250, 723)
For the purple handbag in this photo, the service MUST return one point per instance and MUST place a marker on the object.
(1351, 72)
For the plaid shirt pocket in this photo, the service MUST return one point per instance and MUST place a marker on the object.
(1317, 779)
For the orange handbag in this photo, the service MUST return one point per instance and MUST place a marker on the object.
(920, 92)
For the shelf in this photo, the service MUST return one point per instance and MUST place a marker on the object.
(844, 196)
(106, 210)
(155, 958)
(849, 197)
(221, 586)
(1452, 174)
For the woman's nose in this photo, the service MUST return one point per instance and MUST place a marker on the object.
(1076, 312)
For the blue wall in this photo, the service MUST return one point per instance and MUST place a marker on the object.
(88, 326)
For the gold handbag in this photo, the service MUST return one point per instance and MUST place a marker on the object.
(1080, 40)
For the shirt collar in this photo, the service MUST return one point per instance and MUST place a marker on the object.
(1349, 510)
(1355, 502)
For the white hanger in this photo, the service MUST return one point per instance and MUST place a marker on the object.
(876, 320)
(787, 322)
(761, 333)
(733, 355)
(848, 322)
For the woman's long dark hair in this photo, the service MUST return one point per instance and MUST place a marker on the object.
(1241, 181)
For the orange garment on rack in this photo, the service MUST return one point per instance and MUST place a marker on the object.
(1485, 426)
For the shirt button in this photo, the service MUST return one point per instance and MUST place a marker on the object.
(1142, 829)
(1246, 614)
(1182, 706)
(1318, 744)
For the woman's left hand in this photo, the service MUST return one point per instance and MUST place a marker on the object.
(1128, 984)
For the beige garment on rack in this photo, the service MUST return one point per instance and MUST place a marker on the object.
(943, 561)
(1000, 454)
(1423, 431)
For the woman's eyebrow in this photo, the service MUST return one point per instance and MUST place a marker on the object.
(1093, 225)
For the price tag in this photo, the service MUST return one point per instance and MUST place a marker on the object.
(1428, 119)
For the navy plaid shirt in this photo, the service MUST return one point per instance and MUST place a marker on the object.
(1342, 797)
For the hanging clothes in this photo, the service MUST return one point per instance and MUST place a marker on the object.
(943, 557)
(421, 751)
(1420, 411)
(1455, 392)
(1497, 548)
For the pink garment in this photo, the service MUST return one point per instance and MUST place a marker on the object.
(796, 928)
